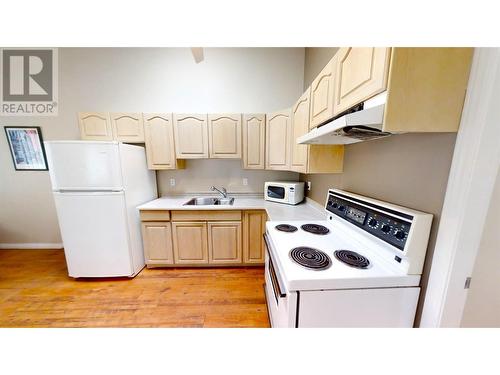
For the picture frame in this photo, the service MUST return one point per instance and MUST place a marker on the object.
(26, 148)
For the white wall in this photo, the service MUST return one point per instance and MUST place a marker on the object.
(476, 161)
(143, 80)
(482, 308)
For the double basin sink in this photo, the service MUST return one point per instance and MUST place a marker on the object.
(209, 201)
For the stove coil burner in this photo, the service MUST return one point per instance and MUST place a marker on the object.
(351, 258)
(310, 258)
(315, 229)
(286, 228)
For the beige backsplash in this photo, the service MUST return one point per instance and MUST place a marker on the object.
(200, 174)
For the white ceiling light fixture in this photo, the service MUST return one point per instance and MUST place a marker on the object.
(197, 54)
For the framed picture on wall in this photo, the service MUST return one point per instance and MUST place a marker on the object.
(26, 148)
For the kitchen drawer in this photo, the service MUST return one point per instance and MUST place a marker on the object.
(206, 215)
(155, 215)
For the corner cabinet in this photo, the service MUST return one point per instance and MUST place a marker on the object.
(361, 74)
(95, 126)
(312, 158)
(322, 93)
(254, 141)
(127, 127)
(159, 139)
(224, 136)
(278, 140)
(191, 136)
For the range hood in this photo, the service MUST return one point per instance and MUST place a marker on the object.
(363, 123)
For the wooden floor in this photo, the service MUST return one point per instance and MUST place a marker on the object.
(35, 291)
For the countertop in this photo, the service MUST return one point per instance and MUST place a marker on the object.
(307, 210)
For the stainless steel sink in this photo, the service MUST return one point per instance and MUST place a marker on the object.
(209, 201)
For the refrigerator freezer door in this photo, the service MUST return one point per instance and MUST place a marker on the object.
(95, 233)
(83, 165)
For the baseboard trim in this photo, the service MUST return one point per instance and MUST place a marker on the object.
(28, 246)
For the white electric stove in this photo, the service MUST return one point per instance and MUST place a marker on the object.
(360, 267)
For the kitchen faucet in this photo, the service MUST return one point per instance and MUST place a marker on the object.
(223, 191)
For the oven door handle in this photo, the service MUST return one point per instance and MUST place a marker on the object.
(274, 275)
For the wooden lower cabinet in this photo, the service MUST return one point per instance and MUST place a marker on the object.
(224, 242)
(254, 227)
(203, 238)
(190, 242)
(157, 239)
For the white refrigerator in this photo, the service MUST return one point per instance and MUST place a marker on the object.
(97, 187)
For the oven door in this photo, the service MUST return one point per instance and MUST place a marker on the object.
(281, 304)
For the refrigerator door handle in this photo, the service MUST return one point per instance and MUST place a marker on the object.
(88, 192)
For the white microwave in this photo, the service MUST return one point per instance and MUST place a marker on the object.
(284, 192)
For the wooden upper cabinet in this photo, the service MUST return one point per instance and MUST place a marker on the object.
(300, 125)
(95, 126)
(278, 143)
(127, 127)
(224, 136)
(159, 139)
(254, 140)
(426, 89)
(191, 136)
(224, 242)
(312, 158)
(361, 73)
(322, 92)
(157, 240)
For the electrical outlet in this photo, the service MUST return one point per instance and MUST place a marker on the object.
(245, 181)
(172, 182)
(308, 184)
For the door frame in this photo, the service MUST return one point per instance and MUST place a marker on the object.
(475, 164)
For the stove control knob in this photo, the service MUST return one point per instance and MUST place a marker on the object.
(400, 234)
(385, 228)
(335, 205)
(372, 222)
(341, 208)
